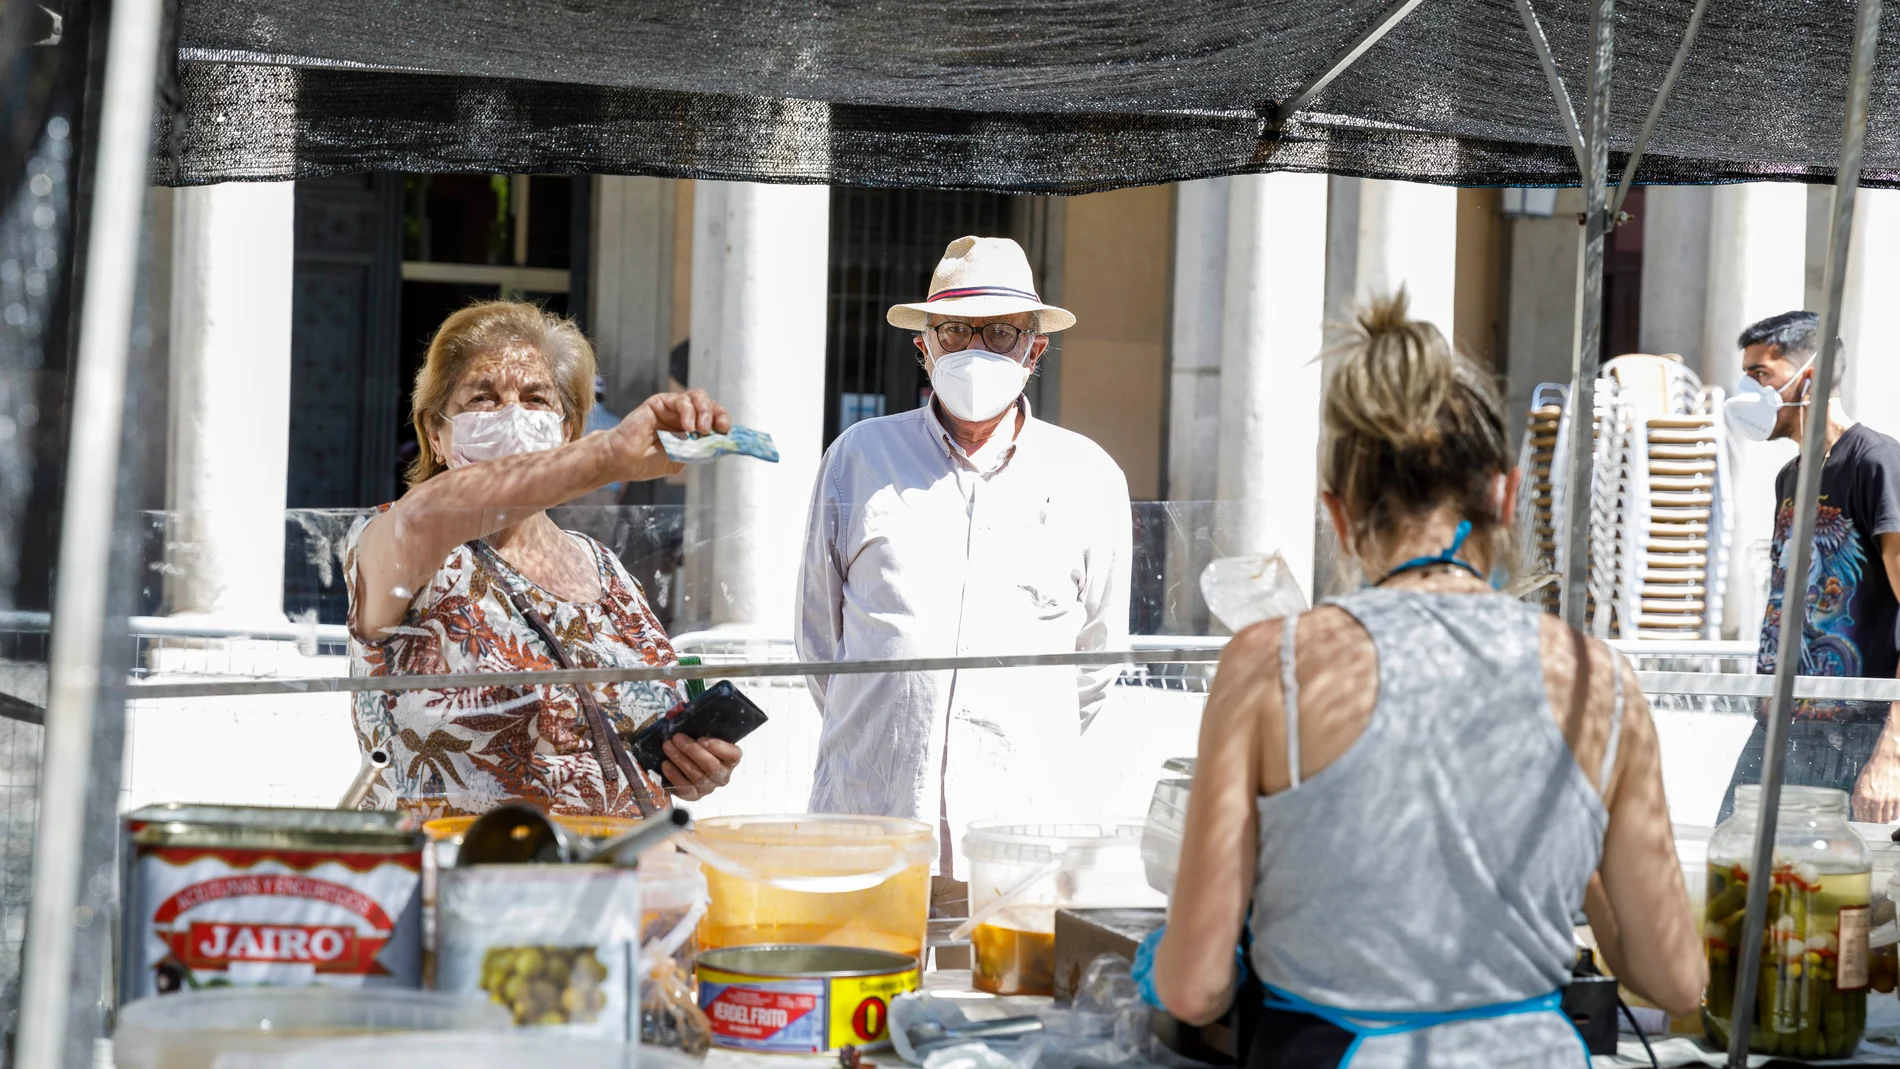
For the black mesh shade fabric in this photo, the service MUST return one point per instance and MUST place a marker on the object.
(1065, 97)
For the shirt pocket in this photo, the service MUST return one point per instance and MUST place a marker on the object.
(1036, 564)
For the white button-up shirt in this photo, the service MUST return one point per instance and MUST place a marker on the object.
(915, 549)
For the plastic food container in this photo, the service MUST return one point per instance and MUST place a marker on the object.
(672, 901)
(556, 944)
(1812, 995)
(1161, 834)
(445, 842)
(522, 1050)
(815, 880)
(1020, 874)
(257, 1027)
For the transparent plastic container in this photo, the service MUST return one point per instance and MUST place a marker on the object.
(1811, 999)
(445, 843)
(815, 879)
(450, 1050)
(1020, 874)
(1161, 833)
(672, 898)
(257, 1027)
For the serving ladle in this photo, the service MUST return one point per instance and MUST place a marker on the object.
(521, 835)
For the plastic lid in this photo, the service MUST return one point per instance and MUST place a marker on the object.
(1807, 799)
(1000, 840)
(277, 1009)
(811, 829)
(517, 1050)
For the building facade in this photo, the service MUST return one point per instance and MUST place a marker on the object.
(298, 314)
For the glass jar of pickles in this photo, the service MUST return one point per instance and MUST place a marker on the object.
(1811, 998)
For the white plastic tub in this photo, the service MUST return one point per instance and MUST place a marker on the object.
(1020, 874)
(258, 1027)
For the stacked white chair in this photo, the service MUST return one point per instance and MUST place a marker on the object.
(1660, 501)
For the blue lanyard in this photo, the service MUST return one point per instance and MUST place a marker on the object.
(1364, 1025)
(1449, 556)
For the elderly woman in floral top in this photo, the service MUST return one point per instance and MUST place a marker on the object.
(451, 578)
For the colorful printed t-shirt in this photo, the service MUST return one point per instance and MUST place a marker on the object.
(1851, 604)
(469, 749)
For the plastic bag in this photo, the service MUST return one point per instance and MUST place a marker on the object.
(670, 1016)
(1246, 590)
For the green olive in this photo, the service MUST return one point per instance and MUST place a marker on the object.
(588, 966)
(529, 961)
(550, 1017)
(559, 967)
(514, 988)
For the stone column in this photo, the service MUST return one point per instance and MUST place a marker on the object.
(1675, 271)
(1194, 397)
(1408, 236)
(1757, 268)
(759, 274)
(1540, 317)
(1870, 321)
(632, 288)
(232, 253)
(1272, 318)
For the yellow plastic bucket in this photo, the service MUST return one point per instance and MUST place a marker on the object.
(815, 880)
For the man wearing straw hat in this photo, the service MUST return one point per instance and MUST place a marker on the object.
(967, 527)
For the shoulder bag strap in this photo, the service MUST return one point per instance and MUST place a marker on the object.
(609, 752)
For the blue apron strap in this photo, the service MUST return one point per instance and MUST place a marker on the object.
(1367, 1024)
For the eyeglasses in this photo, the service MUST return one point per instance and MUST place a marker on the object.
(997, 337)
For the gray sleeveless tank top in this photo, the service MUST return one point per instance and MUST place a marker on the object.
(1437, 864)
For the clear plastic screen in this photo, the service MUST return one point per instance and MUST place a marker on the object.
(303, 749)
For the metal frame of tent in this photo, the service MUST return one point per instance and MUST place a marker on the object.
(78, 667)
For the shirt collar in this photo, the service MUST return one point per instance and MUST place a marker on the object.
(995, 452)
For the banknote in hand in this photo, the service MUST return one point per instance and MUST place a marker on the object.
(704, 448)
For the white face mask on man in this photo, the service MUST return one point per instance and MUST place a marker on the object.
(975, 384)
(1753, 408)
(489, 434)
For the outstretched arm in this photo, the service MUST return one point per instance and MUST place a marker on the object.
(402, 548)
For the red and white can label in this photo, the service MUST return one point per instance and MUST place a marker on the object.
(210, 917)
(772, 1016)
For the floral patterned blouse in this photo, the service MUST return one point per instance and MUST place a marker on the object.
(466, 750)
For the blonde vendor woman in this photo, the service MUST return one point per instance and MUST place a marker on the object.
(466, 573)
(1408, 792)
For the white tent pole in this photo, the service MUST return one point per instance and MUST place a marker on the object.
(1807, 493)
(1588, 339)
(85, 547)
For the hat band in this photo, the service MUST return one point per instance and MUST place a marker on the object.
(983, 291)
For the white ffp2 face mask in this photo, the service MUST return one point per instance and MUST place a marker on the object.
(502, 432)
(1753, 408)
(975, 384)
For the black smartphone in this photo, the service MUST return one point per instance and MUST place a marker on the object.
(720, 713)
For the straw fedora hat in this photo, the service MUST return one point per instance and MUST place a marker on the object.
(978, 278)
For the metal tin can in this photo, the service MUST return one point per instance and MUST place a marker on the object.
(248, 895)
(802, 999)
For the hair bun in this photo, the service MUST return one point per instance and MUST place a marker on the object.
(1411, 426)
(1392, 374)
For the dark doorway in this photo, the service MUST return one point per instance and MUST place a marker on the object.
(343, 384)
(1623, 281)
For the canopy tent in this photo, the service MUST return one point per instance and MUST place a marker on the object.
(1060, 96)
